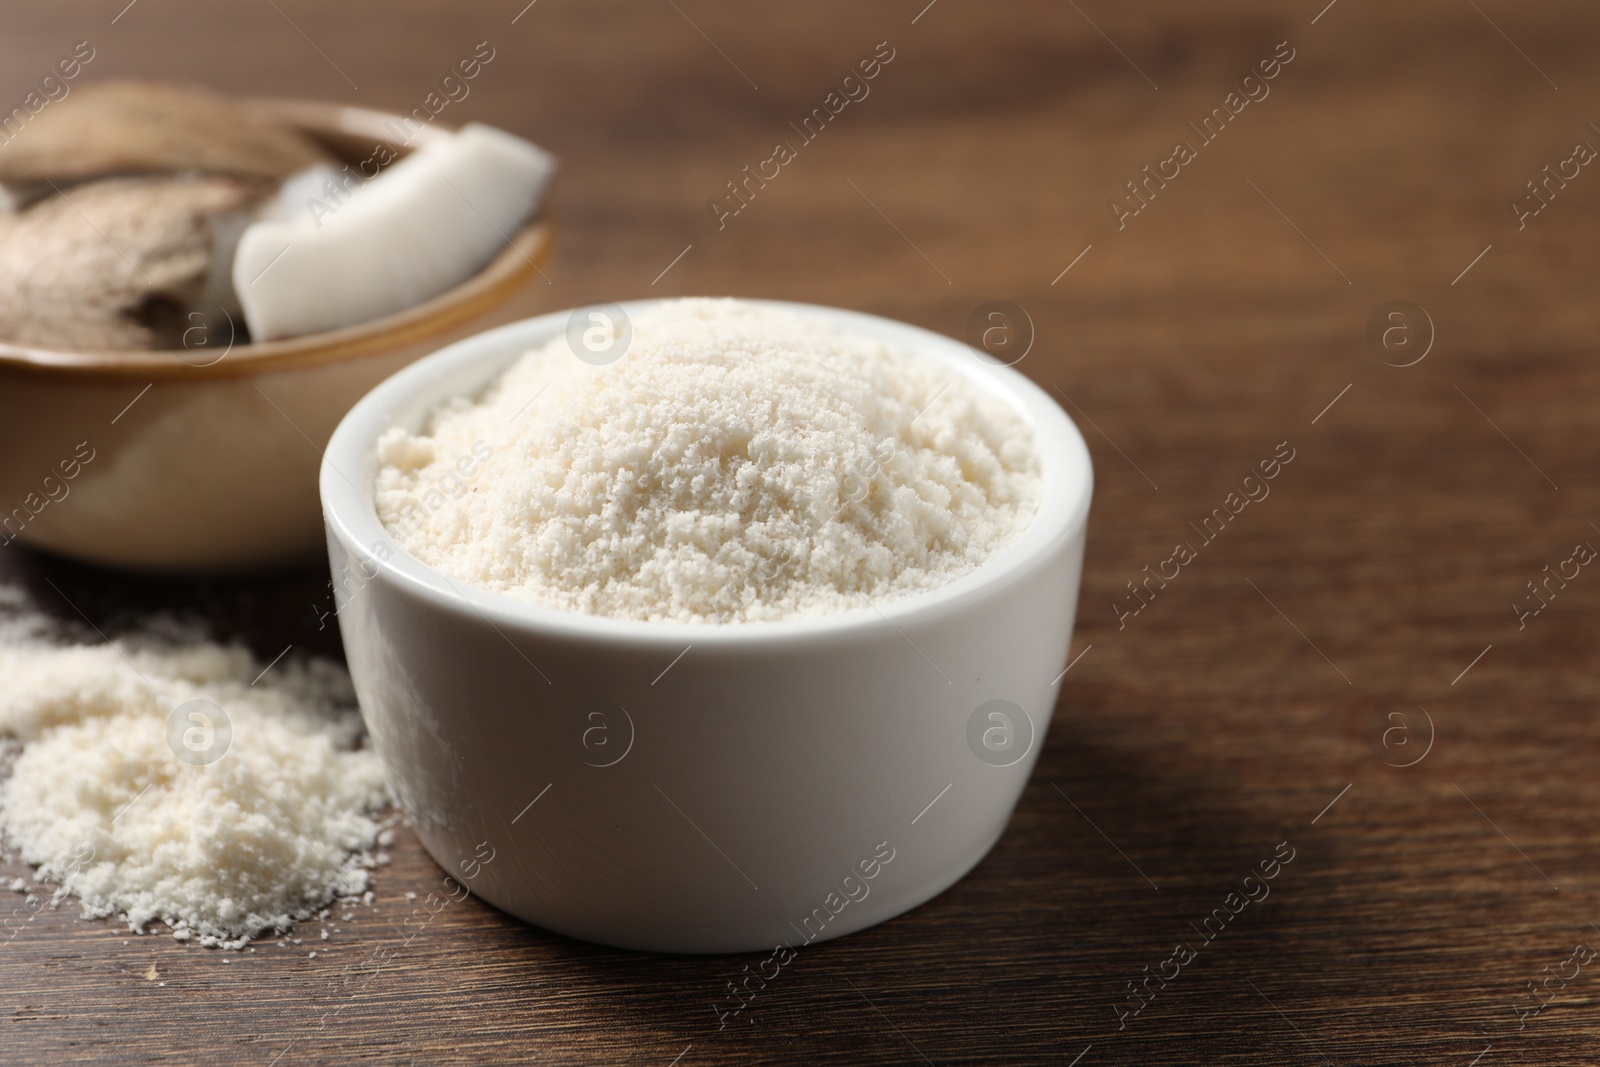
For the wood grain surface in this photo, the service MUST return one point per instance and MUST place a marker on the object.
(1254, 700)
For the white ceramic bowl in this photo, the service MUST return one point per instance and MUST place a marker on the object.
(697, 788)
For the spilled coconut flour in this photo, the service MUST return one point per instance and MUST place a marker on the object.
(738, 463)
(266, 834)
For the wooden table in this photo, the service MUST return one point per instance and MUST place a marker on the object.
(1267, 694)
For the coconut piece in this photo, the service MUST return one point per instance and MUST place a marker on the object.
(289, 202)
(114, 263)
(423, 225)
(144, 127)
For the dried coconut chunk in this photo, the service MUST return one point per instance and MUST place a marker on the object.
(112, 264)
(149, 127)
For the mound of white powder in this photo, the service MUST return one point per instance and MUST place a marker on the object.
(737, 464)
(99, 801)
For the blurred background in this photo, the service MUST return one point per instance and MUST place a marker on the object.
(1189, 328)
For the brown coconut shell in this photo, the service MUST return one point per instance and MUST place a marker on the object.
(112, 264)
(146, 127)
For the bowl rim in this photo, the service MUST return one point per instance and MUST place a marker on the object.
(350, 515)
(512, 266)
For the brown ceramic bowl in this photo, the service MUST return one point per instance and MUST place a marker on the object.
(184, 461)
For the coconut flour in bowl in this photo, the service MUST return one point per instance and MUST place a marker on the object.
(739, 463)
